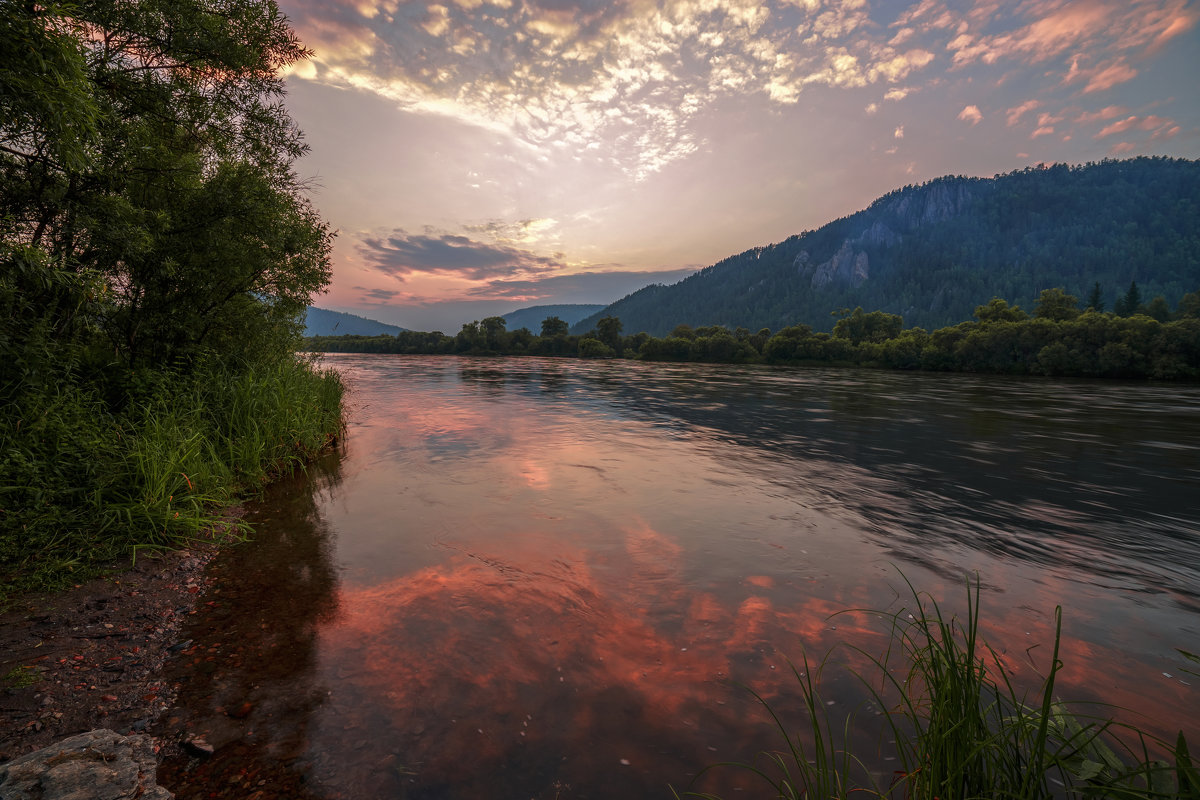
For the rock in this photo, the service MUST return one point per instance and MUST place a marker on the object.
(845, 268)
(199, 746)
(98, 765)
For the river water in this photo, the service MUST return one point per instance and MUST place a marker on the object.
(535, 578)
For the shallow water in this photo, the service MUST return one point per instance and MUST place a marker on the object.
(532, 578)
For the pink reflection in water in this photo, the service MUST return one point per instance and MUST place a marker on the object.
(499, 661)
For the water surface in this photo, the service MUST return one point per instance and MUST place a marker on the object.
(534, 578)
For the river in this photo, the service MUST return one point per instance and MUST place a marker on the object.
(537, 578)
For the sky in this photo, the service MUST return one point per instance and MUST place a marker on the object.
(480, 156)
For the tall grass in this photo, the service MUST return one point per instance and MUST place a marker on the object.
(84, 480)
(962, 730)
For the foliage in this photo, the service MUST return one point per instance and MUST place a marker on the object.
(1059, 340)
(961, 729)
(156, 253)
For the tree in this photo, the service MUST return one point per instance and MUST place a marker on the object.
(594, 348)
(998, 310)
(1128, 304)
(1096, 299)
(608, 329)
(1189, 306)
(1056, 304)
(863, 327)
(145, 143)
(493, 333)
(553, 326)
(1158, 309)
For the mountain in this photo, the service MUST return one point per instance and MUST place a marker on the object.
(532, 317)
(933, 252)
(323, 322)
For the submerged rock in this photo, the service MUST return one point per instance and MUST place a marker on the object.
(98, 765)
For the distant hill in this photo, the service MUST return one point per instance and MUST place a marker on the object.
(532, 317)
(932, 253)
(323, 322)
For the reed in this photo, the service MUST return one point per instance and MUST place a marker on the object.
(84, 484)
(961, 730)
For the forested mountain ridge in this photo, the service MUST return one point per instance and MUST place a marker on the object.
(532, 316)
(324, 322)
(933, 252)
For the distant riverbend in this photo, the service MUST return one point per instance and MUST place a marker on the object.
(553, 578)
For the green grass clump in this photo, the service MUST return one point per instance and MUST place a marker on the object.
(90, 472)
(962, 730)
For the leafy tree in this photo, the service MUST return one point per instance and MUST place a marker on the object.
(1158, 309)
(553, 326)
(863, 327)
(608, 330)
(594, 348)
(1056, 304)
(493, 329)
(998, 310)
(146, 144)
(1189, 306)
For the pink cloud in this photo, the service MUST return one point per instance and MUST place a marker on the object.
(1147, 123)
(1101, 32)
(1015, 113)
(1106, 113)
(1121, 147)
(1045, 130)
(970, 114)
(1109, 77)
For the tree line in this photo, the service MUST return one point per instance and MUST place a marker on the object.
(1145, 340)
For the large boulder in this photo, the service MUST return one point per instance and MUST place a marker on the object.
(98, 765)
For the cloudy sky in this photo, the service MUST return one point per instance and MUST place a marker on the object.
(477, 156)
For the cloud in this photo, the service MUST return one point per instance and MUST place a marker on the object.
(1094, 38)
(970, 114)
(898, 93)
(401, 254)
(899, 134)
(1106, 113)
(1109, 77)
(871, 108)
(1044, 130)
(378, 295)
(622, 83)
(1014, 114)
(1135, 123)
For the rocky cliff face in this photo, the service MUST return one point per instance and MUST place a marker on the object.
(848, 267)
(883, 225)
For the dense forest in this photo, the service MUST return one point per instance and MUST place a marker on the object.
(930, 253)
(156, 252)
(1140, 340)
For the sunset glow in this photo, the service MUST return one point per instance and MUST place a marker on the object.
(482, 156)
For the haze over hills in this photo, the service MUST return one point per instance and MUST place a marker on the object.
(933, 252)
(323, 322)
(532, 316)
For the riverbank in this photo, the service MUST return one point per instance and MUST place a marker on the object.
(91, 656)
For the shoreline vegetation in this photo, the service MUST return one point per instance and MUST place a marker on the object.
(959, 729)
(1141, 340)
(157, 251)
